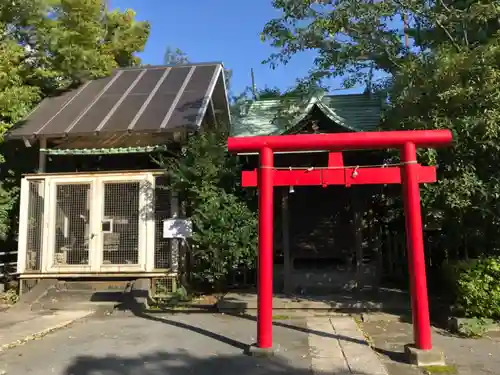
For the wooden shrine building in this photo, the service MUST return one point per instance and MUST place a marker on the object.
(324, 244)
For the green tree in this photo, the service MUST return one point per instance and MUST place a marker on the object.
(175, 57)
(207, 179)
(125, 37)
(79, 41)
(46, 46)
(448, 77)
(225, 228)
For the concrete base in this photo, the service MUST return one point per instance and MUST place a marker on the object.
(31, 298)
(136, 295)
(141, 290)
(254, 351)
(347, 302)
(421, 358)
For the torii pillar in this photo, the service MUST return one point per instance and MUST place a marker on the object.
(409, 173)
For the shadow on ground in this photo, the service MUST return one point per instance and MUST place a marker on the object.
(393, 355)
(384, 300)
(183, 363)
(150, 316)
(365, 301)
(276, 365)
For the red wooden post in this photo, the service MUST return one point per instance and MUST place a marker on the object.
(415, 246)
(335, 159)
(409, 258)
(265, 259)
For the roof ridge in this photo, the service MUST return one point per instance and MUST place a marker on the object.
(164, 66)
(320, 97)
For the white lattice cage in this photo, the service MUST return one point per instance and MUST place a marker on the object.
(94, 223)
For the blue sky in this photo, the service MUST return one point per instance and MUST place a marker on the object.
(217, 30)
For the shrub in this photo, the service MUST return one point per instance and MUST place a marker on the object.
(224, 226)
(225, 236)
(450, 274)
(478, 289)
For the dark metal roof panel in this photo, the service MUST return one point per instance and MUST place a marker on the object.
(146, 99)
(187, 109)
(201, 78)
(156, 111)
(162, 101)
(95, 114)
(191, 100)
(46, 111)
(81, 99)
(120, 119)
(106, 100)
(148, 82)
(173, 81)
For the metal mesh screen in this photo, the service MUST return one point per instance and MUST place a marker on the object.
(120, 223)
(162, 212)
(163, 287)
(35, 226)
(72, 224)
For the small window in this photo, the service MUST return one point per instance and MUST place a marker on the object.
(107, 226)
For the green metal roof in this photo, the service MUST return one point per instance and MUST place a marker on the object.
(357, 112)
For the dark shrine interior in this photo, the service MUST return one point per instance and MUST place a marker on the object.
(321, 229)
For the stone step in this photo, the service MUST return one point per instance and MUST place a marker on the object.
(234, 302)
(94, 285)
(78, 295)
(49, 295)
(42, 306)
(70, 300)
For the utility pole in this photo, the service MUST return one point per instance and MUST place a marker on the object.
(405, 27)
(254, 87)
(106, 6)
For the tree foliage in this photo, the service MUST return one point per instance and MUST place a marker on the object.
(447, 77)
(478, 289)
(206, 177)
(224, 227)
(47, 46)
(175, 56)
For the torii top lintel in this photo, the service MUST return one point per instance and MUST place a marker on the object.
(341, 141)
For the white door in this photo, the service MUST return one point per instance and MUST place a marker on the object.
(72, 237)
(122, 228)
(97, 225)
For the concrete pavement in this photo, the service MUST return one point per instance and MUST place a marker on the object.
(338, 347)
(18, 328)
(205, 344)
(464, 356)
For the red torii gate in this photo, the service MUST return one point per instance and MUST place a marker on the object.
(408, 172)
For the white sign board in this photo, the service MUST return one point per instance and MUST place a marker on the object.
(177, 228)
